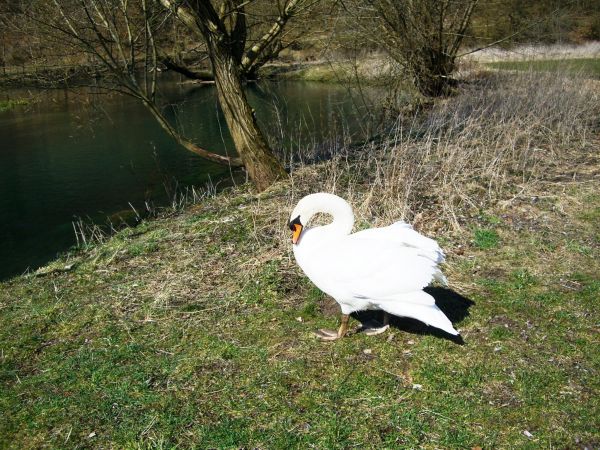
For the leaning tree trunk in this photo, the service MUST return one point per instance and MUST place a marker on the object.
(225, 49)
(262, 166)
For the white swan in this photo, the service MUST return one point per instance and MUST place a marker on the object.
(379, 268)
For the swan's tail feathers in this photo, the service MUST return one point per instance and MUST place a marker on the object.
(440, 277)
(421, 306)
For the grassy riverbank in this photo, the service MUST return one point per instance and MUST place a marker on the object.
(371, 69)
(585, 66)
(195, 329)
(581, 60)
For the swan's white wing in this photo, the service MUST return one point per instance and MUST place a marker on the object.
(368, 268)
(404, 234)
(421, 306)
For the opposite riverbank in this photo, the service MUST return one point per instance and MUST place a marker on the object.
(194, 329)
(372, 68)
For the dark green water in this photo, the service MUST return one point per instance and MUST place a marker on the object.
(76, 154)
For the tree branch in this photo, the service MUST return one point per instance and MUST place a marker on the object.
(171, 64)
(253, 54)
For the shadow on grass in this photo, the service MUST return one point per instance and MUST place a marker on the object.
(453, 305)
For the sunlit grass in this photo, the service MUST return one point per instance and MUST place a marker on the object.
(485, 238)
(137, 349)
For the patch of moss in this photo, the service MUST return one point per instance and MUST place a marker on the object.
(6, 105)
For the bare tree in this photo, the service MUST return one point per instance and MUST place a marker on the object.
(119, 39)
(267, 29)
(224, 29)
(124, 40)
(424, 36)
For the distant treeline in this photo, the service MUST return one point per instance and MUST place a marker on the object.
(511, 22)
(542, 21)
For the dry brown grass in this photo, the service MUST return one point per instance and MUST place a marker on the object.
(537, 51)
(502, 137)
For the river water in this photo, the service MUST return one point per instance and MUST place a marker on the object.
(75, 154)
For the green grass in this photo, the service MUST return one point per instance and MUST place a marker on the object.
(195, 331)
(485, 238)
(586, 66)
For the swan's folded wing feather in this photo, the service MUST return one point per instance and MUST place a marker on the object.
(404, 234)
(372, 268)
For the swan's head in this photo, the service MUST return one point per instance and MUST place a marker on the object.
(343, 219)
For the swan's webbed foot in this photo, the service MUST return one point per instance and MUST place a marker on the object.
(326, 335)
(375, 331)
(329, 335)
(373, 328)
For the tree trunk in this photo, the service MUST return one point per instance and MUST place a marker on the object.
(224, 49)
(262, 166)
(432, 70)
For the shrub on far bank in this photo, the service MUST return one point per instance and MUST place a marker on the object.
(5, 105)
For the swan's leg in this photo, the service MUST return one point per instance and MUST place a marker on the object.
(343, 329)
(328, 335)
(382, 329)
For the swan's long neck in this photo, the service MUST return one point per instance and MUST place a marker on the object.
(343, 219)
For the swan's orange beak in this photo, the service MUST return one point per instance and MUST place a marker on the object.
(296, 228)
(296, 233)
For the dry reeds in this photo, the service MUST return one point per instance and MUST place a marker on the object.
(499, 136)
(537, 52)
